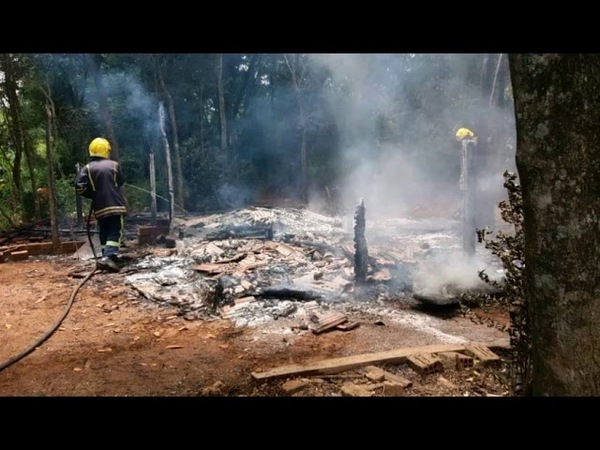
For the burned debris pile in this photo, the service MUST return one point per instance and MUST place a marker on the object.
(280, 259)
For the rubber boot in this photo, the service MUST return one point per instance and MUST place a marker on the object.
(107, 263)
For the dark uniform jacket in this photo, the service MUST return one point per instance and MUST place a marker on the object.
(101, 180)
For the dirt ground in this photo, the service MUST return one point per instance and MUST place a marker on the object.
(113, 342)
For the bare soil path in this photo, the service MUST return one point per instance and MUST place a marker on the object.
(114, 342)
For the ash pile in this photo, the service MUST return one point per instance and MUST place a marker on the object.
(256, 264)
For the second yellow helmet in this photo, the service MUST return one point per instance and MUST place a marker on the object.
(463, 133)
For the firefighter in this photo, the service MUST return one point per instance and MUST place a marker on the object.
(101, 180)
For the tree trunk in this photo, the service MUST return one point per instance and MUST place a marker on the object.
(7, 209)
(51, 180)
(557, 105)
(222, 115)
(18, 132)
(153, 208)
(171, 107)
(96, 67)
(161, 114)
(245, 90)
(201, 122)
(302, 116)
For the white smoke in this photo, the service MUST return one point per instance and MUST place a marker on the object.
(446, 274)
(420, 166)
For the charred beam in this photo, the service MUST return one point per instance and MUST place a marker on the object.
(287, 293)
(361, 254)
(242, 232)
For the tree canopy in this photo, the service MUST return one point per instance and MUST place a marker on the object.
(246, 125)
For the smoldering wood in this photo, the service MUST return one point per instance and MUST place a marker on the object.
(435, 300)
(457, 298)
(242, 232)
(361, 254)
(287, 292)
(216, 295)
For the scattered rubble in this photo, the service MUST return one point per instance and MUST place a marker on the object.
(257, 265)
(294, 255)
(294, 268)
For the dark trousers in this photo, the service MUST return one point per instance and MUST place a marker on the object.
(110, 230)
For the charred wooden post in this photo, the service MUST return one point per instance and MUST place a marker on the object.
(361, 254)
(467, 187)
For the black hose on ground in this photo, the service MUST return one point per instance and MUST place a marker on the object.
(54, 327)
(49, 333)
(89, 234)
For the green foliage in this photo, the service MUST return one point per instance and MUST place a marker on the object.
(8, 208)
(407, 101)
(66, 198)
(137, 199)
(509, 247)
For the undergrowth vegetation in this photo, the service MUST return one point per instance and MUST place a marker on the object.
(509, 248)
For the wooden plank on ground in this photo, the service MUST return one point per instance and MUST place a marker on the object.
(19, 256)
(337, 365)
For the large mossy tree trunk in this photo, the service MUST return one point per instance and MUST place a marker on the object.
(557, 105)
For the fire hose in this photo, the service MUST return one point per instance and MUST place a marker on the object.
(47, 334)
(54, 327)
(156, 195)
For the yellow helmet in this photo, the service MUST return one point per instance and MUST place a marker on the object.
(100, 147)
(463, 133)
